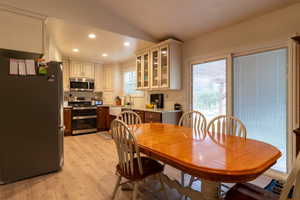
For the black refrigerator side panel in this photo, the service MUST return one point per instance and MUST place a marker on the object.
(2, 150)
(56, 68)
(29, 124)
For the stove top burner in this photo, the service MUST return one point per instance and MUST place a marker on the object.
(80, 103)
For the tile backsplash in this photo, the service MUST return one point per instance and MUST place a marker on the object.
(170, 98)
(97, 95)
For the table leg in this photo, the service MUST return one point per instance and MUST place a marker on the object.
(210, 189)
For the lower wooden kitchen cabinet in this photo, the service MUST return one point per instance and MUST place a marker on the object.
(109, 120)
(104, 119)
(162, 117)
(158, 117)
(102, 113)
(68, 121)
(141, 114)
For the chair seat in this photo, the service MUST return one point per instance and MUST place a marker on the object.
(150, 167)
(247, 191)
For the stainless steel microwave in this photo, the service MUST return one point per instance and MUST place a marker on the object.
(82, 84)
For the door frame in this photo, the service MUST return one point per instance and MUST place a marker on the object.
(228, 75)
(293, 91)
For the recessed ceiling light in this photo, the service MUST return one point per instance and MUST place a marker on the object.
(92, 36)
(127, 44)
(104, 55)
(76, 50)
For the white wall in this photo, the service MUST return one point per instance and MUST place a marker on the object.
(52, 53)
(271, 28)
(264, 31)
(20, 31)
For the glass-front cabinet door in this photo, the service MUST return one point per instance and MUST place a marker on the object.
(146, 74)
(164, 66)
(139, 72)
(155, 78)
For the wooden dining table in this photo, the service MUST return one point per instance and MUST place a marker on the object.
(214, 158)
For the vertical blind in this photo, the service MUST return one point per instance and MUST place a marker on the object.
(260, 98)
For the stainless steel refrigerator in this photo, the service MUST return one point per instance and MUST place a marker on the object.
(31, 122)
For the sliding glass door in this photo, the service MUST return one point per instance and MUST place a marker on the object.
(260, 98)
(209, 88)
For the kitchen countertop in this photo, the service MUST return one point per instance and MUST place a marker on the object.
(163, 110)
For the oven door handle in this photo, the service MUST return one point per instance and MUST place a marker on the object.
(84, 108)
(85, 117)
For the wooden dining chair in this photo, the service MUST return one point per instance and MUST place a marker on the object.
(197, 121)
(247, 191)
(130, 118)
(131, 165)
(226, 124)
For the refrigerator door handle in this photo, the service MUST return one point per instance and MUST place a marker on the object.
(62, 128)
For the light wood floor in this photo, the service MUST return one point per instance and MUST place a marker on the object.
(88, 174)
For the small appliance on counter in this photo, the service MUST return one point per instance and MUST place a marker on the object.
(177, 106)
(97, 102)
(157, 100)
(127, 101)
(118, 101)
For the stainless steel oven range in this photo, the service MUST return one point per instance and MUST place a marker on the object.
(84, 117)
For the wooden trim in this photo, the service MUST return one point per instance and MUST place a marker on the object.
(229, 85)
(19, 11)
(261, 49)
(228, 76)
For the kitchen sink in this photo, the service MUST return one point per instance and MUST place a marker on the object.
(115, 110)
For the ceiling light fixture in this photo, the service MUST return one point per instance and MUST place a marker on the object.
(104, 55)
(126, 44)
(75, 50)
(92, 36)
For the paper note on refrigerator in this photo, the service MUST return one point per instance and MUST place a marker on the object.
(22, 67)
(30, 67)
(13, 67)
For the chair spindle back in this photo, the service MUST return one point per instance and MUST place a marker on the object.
(129, 118)
(127, 148)
(229, 125)
(193, 119)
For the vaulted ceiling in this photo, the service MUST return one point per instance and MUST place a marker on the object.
(186, 19)
(152, 20)
(138, 21)
(69, 36)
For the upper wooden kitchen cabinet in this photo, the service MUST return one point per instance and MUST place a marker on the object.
(88, 70)
(66, 77)
(98, 78)
(143, 70)
(164, 62)
(76, 69)
(82, 70)
(108, 79)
